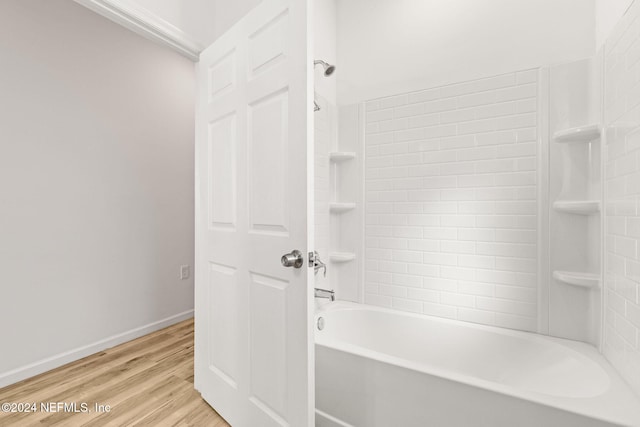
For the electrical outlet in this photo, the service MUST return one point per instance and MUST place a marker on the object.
(184, 272)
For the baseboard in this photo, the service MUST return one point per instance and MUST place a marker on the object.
(58, 360)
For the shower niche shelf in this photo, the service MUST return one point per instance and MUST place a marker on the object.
(583, 134)
(571, 194)
(341, 156)
(581, 280)
(341, 207)
(339, 257)
(578, 207)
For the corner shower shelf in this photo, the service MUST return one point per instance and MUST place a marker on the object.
(579, 207)
(341, 256)
(341, 156)
(578, 134)
(341, 207)
(581, 280)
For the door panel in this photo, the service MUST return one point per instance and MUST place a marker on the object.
(222, 166)
(268, 342)
(267, 45)
(254, 336)
(268, 164)
(222, 300)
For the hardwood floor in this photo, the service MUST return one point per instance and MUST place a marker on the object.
(146, 382)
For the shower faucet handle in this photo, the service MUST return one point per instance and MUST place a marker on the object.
(316, 263)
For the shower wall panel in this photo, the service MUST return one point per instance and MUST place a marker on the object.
(451, 201)
(324, 134)
(622, 197)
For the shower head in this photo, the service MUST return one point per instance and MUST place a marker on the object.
(328, 68)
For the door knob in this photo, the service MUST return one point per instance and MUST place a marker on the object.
(293, 259)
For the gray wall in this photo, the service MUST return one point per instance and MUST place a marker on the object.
(96, 184)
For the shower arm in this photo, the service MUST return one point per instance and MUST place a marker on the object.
(328, 70)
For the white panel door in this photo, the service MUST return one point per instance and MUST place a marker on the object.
(254, 336)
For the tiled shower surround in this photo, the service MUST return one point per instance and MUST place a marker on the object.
(622, 195)
(451, 201)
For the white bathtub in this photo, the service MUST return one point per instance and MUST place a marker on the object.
(379, 367)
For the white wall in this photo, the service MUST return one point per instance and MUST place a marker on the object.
(388, 47)
(608, 13)
(96, 183)
(622, 198)
(451, 210)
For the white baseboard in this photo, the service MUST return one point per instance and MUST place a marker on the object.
(44, 365)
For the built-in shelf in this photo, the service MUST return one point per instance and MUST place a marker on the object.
(341, 256)
(341, 207)
(582, 280)
(341, 156)
(580, 207)
(578, 134)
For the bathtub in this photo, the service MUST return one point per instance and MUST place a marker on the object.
(379, 367)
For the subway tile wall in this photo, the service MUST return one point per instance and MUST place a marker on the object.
(622, 196)
(451, 201)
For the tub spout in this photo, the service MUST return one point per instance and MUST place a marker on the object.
(324, 293)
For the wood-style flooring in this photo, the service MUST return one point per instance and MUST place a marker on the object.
(146, 382)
